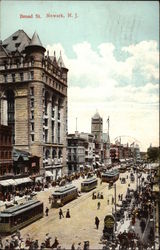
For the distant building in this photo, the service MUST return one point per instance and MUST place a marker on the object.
(25, 164)
(6, 159)
(89, 149)
(33, 99)
(76, 153)
(97, 131)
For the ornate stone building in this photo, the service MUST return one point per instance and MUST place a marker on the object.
(33, 99)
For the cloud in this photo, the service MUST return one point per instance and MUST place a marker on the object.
(126, 90)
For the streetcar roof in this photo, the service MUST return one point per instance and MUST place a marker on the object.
(90, 180)
(19, 208)
(111, 173)
(64, 189)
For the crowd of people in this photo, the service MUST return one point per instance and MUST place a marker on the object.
(17, 242)
(138, 210)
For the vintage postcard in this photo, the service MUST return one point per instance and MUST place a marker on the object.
(79, 125)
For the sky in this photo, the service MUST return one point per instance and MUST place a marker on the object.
(111, 51)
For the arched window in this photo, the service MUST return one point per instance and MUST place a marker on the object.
(60, 154)
(47, 154)
(54, 153)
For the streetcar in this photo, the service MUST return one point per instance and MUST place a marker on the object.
(63, 195)
(89, 184)
(19, 216)
(122, 168)
(110, 176)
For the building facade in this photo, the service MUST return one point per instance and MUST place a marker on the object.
(6, 158)
(76, 153)
(33, 98)
(89, 149)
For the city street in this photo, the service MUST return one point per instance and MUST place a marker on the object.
(80, 227)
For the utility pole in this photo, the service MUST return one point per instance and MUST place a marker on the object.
(115, 206)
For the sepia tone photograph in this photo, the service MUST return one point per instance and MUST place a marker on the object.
(79, 125)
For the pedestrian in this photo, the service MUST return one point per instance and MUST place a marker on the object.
(61, 214)
(108, 201)
(98, 205)
(79, 246)
(97, 222)
(50, 199)
(47, 210)
(56, 243)
(68, 214)
(7, 244)
(73, 247)
(121, 197)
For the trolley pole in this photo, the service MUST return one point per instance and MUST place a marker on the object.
(115, 206)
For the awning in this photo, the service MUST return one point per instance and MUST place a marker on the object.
(54, 166)
(23, 180)
(48, 174)
(4, 183)
(8, 182)
(122, 160)
(12, 182)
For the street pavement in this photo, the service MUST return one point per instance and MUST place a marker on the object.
(80, 227)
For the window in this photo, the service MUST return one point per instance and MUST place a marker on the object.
(32, 103)
(5, 77)
(6, 155)
(46, 122)
(52, 132)
(32, 91)
(13, 77)
(32, 114)
(14, 38)
(32, 75)
(22, 76)
(32, 137)
(58, 115)
(58, 132)
(17, 45)
(32, 126)
(46, 136)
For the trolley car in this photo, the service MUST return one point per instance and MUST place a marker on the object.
(110, 176)
(89, 184)
(19, 216)
(123, 169)
(63, 195)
